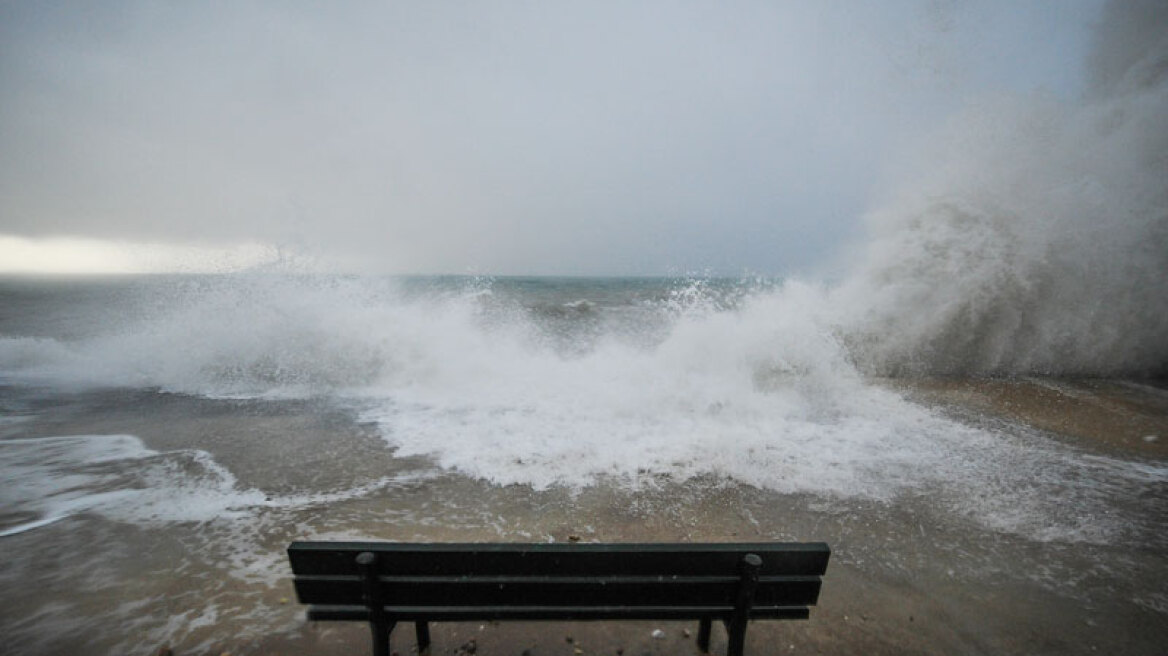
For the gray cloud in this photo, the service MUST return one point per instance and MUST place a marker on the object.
(498, 137)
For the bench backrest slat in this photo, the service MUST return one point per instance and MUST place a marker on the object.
(551, 575)
(473, 613)
(400, 559)
(536, 591)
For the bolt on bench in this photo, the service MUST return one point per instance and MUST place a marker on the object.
(385, 583)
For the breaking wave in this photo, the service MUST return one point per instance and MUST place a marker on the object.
(1032, 236)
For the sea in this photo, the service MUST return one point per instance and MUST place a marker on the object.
(165, 436)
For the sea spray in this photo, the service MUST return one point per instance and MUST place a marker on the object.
(1033, 235)
(253, 336)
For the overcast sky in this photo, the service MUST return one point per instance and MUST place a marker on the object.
(494, 137)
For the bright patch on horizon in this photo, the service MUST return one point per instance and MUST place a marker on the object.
(64, 255)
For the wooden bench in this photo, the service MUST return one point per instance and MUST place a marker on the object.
(386, 583)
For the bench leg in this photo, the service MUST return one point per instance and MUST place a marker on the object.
(423, 631)
(704, 635)
(736, 631)
(381, 629)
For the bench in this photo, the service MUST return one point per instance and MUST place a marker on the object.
(385, 583)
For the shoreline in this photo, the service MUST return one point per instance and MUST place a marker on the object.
(906, 576)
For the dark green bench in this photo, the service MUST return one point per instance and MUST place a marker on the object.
(386, 583)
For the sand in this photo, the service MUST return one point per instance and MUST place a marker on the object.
(1105, 416)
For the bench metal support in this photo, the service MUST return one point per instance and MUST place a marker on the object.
(704, 634)
(422, 630)
(736, 623)
(736, 627)
(379, 624)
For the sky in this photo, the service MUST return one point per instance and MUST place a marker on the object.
(525, 138)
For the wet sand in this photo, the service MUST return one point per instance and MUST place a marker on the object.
(906, 577)
(1105, 416)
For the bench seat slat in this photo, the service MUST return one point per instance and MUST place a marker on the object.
(537, 613)
(547, 590)
(582, 559)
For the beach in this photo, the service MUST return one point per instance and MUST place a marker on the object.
(908, 575)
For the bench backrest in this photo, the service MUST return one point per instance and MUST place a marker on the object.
(560, 580)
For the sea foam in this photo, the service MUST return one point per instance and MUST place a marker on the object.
(1031, 234)
(49, 479)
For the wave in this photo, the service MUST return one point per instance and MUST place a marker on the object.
(250, 336)
(312, 335)
(1032, 236)
(52, 478)
(748, 387)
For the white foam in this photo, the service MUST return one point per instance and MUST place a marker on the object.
(259, 336)
(116, 476)
(1028, 236)
(28, 526)
(764, 395)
